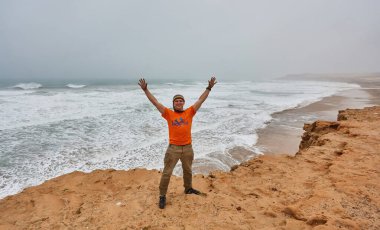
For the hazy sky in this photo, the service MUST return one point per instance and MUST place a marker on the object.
(232, 39)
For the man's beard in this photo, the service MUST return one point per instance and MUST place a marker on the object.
(177, 111)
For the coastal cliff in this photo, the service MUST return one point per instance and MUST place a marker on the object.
(331, 183)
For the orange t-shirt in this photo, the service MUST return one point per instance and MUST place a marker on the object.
(179, 125)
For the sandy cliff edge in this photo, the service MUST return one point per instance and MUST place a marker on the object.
(331, 183)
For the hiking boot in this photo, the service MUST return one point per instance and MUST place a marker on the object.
(162, 202)
(192, 191)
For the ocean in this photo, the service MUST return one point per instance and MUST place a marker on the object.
(47, 131)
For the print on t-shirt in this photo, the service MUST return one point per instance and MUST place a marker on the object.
(180, 122)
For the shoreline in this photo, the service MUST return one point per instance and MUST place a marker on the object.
(278, 138)
(271, 139)
(281, 135)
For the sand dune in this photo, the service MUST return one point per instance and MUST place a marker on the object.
(333, 182)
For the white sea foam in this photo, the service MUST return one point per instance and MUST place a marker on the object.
(43, 135)
(26, 86)
(12, 92)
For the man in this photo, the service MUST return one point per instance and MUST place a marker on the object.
(180, 148)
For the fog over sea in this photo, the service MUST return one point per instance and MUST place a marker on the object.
(47, 131)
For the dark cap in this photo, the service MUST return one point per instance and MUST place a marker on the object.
(178, 96)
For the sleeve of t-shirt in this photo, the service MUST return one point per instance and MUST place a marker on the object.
(192, 111)
(165, 114)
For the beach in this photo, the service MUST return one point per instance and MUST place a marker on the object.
(48, 130)
(323, 175)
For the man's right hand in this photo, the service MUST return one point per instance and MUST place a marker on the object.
(143, 84)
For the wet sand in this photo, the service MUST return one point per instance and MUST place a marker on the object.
(283, 133)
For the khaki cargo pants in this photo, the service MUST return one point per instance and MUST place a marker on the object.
(173, 154)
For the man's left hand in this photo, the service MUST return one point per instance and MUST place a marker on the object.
(211, 82)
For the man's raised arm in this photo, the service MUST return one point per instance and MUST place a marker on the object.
(144, 86)
(204, 95)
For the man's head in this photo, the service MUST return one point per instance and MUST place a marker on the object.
(178, 103)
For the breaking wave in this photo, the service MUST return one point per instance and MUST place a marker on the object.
(73, 86)
(27, 86)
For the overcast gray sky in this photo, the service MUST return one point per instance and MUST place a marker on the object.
(187, 39)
